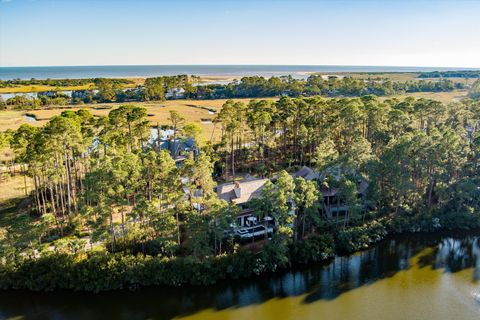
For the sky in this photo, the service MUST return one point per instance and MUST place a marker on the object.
(437, 33)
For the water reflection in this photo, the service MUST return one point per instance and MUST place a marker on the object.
(322, 282)
(454, 255)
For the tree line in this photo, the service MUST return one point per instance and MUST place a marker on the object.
(161, 88)
(451, 74)
(254, 87)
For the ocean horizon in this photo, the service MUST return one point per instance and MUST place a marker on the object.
(140, 71)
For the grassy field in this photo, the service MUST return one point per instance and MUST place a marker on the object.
(445, 97)
(394, 76)
(12, 187)
(158, 113)
(12, 119)
(41, 88)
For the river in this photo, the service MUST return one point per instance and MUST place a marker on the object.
(407, 277)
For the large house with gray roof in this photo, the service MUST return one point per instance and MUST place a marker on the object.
(240, 193)
(331, 204)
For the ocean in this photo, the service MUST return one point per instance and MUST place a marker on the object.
(78, 72)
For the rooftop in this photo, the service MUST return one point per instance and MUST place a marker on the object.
(362, 187)
(306, 173)
(239, 192)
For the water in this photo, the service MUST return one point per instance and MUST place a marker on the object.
(164, 134)
(30, 117)
(6, 96)
(410, 277)
(78, 72)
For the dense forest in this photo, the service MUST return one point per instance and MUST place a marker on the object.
(109, 208)
(171, 87)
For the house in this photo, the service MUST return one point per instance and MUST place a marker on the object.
(240, 193)
(179, 146)
(307, 174)
(175, 93)
(179, 149)
(331, 203)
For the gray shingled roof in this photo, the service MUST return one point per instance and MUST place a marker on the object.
(241, 191)
(306, 173)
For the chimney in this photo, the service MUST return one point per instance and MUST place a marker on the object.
(237, 189)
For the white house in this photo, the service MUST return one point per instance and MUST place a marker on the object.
(175, 93)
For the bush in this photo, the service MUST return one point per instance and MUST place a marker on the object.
(314, 249)
(433, 221)
(106, 271)
(361, 237)
(150, 247)
(100, 271)
(459, 220)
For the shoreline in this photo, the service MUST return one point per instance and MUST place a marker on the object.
(187, 271)
(230, 71)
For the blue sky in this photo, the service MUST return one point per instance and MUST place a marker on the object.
(106, 32)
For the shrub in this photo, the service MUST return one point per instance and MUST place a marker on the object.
(361, 237)
(314, 249)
